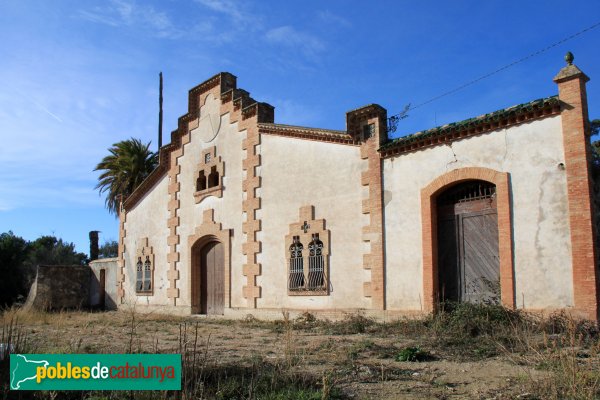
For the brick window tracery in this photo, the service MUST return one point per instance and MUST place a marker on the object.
(209, 175)
(307, 249)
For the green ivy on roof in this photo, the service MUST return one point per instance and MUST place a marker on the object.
(471, 122)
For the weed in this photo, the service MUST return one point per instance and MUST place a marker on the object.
(413, 354)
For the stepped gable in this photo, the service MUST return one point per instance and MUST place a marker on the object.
(229, 92)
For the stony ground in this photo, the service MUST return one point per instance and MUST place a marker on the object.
(358, 365)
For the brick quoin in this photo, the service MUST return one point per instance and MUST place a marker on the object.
(368, 126)
(574, 116)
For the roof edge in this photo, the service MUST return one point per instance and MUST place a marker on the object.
(514, 115)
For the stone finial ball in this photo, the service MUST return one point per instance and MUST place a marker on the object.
(569, 57)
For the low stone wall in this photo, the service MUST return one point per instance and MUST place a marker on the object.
(58, 287)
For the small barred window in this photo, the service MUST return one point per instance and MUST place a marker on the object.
(307, 256)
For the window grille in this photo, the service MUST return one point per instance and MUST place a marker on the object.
(471, 191)
(307, 255)
(316, 266)
(296, 278)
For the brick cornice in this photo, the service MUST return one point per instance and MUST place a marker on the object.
(322, 135)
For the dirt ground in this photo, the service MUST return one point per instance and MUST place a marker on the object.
(360, 365)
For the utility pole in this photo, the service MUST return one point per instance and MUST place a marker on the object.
(160, 111)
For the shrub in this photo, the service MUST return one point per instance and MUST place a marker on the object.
(413, 354)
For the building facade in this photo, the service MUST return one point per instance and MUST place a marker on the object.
(245, 216)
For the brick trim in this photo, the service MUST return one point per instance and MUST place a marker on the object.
(247, 112)
(374, 117)
(307, 214)
(429, 231)
(574, 116)
(121, 257)
(207, 232)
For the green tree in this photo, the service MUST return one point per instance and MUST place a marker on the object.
(109, 249)
(19, 259)
(129, 163)
(49, 250)
(14, 251)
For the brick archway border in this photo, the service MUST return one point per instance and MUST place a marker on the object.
(429, 230)
(209, 231)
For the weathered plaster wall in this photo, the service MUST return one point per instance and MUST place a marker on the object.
(148, 219)
(531, 154)
(297, 173)
(228, 209)
(110, 266)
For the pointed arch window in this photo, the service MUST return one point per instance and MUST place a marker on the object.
(209, 175)
(144, 269)
(147, 275)
(139, 275)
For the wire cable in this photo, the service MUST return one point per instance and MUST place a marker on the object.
(461, 87)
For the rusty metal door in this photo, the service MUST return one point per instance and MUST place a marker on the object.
(212, 279)
(468, 258)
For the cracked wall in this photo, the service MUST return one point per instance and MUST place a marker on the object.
(531, 154)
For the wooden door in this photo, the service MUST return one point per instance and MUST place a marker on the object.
(212, 279)
(480, 261)
(468, 261)
(102, 299)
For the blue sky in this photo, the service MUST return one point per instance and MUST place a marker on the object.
(78, 76)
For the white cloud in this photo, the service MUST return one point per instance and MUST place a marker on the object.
(128, 13)
(230, 8)
(291, 38)
(330, 18)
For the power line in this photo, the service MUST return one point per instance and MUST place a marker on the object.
(410, 108)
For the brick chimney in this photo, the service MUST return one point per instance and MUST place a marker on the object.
(94, 245)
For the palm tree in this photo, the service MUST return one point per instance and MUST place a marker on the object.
(129, 163)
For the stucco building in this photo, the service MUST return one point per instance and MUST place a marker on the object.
(244, 215)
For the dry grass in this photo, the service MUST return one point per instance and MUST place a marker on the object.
(307, 358)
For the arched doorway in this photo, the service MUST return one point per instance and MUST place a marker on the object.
(467, 236)
(208, 278)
